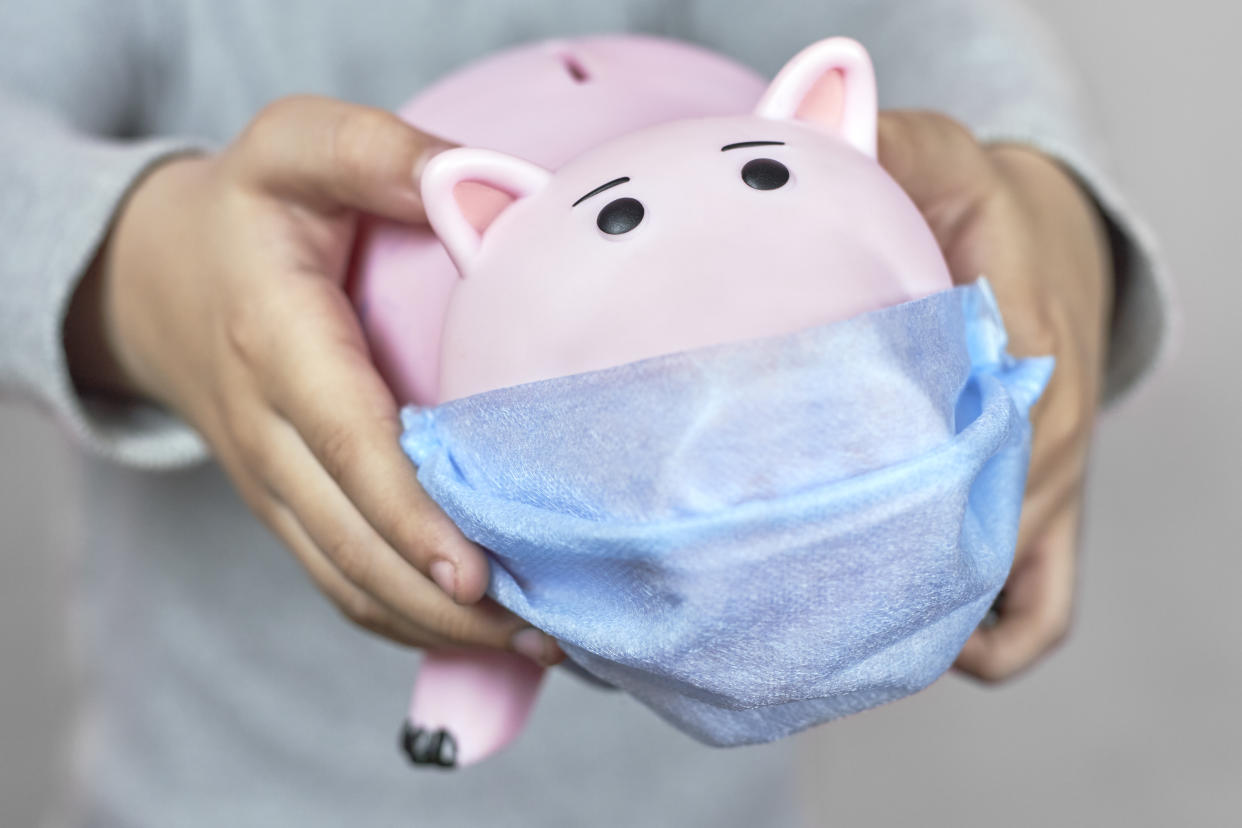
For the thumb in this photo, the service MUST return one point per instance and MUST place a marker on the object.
(330, 154)
(939, 164)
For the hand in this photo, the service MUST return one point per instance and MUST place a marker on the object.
(1011, 214)
(219, 294)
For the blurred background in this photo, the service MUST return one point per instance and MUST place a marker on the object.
(1136, 720)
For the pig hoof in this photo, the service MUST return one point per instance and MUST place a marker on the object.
(429, 747)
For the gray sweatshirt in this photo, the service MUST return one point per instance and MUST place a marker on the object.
(222, 688)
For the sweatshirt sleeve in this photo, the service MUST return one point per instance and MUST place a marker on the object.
(994, 66)
(68, 95)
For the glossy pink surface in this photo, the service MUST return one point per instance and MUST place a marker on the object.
(545, 102)
(542, 291)
(483, 698)
(712, 260)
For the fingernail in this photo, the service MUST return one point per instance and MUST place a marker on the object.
(445, 576)
(531, 643)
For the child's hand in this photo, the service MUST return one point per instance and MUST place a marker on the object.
(219, 294)
(1011, 214)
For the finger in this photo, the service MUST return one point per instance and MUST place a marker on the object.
(1035, 615)
(362, 557)
(1057, 465)
(1061, 423)
(320, 380)
(1061, 433)
(349, 599)
(933, 157)
(353, 603)
(1053, 489)
(946, 174)
(334, 154)
(1040, 509)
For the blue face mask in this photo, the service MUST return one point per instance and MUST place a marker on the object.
(757, 537)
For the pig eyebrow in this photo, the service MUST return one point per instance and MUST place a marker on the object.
(741, 144)
(601, 188)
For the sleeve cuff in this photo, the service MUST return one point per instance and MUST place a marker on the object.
(100, 176)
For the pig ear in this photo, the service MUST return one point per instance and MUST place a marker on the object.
(831, 85)
(464, 190)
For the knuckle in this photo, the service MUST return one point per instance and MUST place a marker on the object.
(232, 418)
(338, 448)
(1058, 631)
(992, 673)
(263, 462)
(1039, 334)
(260, 501)
(356, 137)
(458, 625)
(268, 123)
(1078, 404)
(248, 334)
(949, 127)
(894, 140)
(253, 449)
(1064, 438)
(1061, 429)
(425, 538)
(363, 611)
(917, 125)
(350, 556)
(989, 668)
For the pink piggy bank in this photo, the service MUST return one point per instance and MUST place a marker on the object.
(666, 200)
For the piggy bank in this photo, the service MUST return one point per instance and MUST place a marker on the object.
(617, 199)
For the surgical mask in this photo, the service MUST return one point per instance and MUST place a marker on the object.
(756, 537)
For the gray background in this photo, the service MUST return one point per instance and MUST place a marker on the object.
(1135, 721)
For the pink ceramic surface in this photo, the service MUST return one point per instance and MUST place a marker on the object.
(622, 198)
(481, 698)
(546, 102)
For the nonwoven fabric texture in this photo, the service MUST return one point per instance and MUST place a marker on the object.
(756, 537)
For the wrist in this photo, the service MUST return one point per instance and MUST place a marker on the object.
(92, 363)
(111, 308)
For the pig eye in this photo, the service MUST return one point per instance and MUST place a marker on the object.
(765, 174)
(620, 216)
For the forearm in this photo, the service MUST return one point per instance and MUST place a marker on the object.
(93, 338)
(73, 79)
(61, 189)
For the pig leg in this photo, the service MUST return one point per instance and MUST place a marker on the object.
(468, 705)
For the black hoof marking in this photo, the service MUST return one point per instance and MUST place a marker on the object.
(428, 747)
